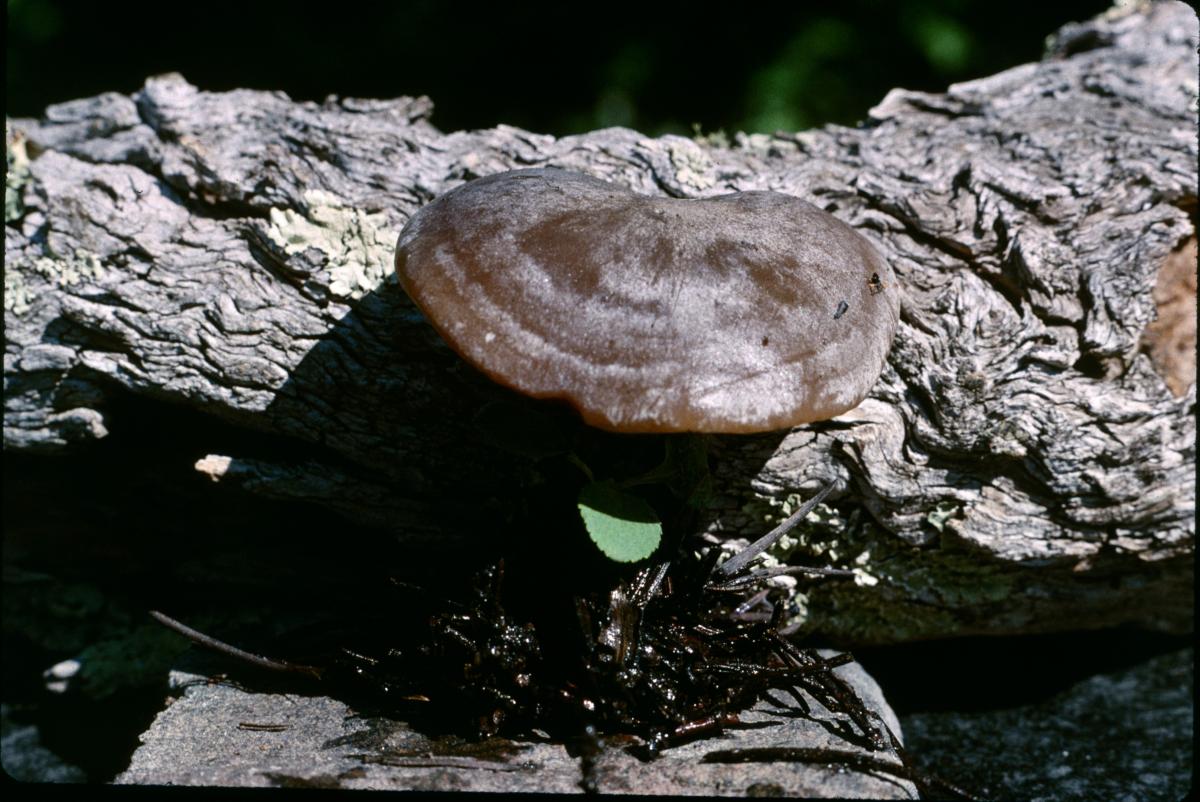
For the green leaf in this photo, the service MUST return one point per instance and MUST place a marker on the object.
(621, 525)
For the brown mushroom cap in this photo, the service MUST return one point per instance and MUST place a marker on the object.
(741, 313)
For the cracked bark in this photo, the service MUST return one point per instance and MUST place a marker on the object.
(1026, 462)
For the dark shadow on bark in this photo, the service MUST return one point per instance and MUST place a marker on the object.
(470, 468)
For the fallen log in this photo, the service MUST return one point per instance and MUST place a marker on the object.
(1026, 463)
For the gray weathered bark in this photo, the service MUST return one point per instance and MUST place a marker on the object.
(1022, 465)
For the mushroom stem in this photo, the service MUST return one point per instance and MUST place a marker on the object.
(739, 561)
(574, 459)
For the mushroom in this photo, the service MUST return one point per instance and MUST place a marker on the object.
(748, 312)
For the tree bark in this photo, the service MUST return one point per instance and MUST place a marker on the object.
(1022, 465)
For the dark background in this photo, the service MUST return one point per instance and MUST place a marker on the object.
(557, 68)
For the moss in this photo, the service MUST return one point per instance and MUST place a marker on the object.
(357, 245)
(918, 594)
(91, 625)
(136, 659)
(58, 616)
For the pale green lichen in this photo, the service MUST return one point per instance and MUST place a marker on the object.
(358, 245)
(825, 538)
(61, 271)
(943, 512)
(692, 165)
(16, 174)
(17, 296)
(815, 536)
(82, 265)
(899, 591)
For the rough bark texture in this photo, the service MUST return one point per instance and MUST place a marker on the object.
(1124, 734)
(1022, 465)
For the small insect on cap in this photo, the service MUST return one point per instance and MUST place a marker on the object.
(741, 313)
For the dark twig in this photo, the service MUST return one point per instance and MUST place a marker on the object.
(443, 761)
(254, 727)
(232, 651)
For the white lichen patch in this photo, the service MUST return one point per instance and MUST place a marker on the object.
(357, 245)
(864, 579)
(80, 266)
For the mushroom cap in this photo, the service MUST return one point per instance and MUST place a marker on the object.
(741, 313)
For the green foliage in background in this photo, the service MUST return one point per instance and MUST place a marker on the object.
(815, 76)
(548, 67)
